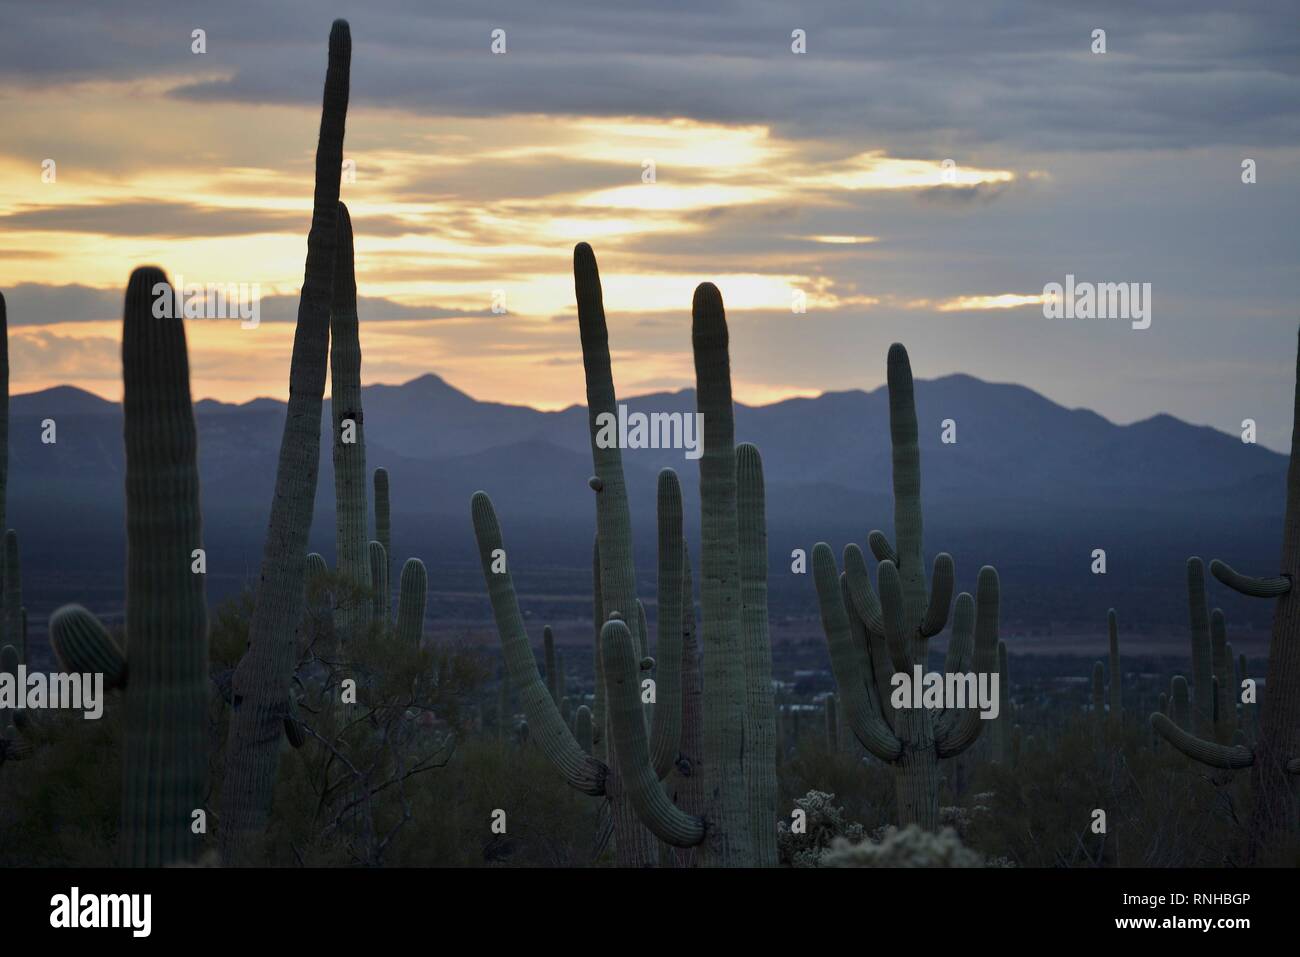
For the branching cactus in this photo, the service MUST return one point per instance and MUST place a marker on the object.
(411, 601)
(732, 768)
(1274, 759)
(872, 638)
(262, 679)
(356, 562)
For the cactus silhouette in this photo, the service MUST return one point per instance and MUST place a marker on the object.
(13, 595)
(378, 561)
(261, 681)
(84, 646)
(414, 592)
(1274, 759)
(355, 559)
(383, 518)
(637, 763)
(872, 637)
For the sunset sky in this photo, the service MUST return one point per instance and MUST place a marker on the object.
(819, 172)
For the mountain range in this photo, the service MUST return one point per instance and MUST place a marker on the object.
(1028, 486)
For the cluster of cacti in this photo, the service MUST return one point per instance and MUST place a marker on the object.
(735, 821)
(1274, 759)
(872, 637)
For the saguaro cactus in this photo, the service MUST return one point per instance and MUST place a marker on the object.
(166, 614)
(261, 682)
(411, 601)
(871, 638)
(84, 646)
(1116, 672)
(725, 832)
(383, 516)
(1275, 758)
(13, 595)
(355, 559)
(379, 584)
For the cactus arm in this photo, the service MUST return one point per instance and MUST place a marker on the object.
(962, 643)
(760, 722)
(580, 770)
(880, 547)
(262, 679)
(954, 736)
(165, 761)
(936, 610)
(891, 605)
(1274, 587)
(414, 592)
(84, 646)
(865, 602)
(666, 726)
(627, 722)
(863, 719)
(582, 727)
(1228, 757)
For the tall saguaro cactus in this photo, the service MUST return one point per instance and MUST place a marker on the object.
(1274, 760)
(261, 681)
(730, 766)
(414, 591)
(165, 765)
(355, 561)
(872, 637)
(383, 516)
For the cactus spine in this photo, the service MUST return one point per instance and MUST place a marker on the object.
(166, 614)
(411, 601)
(261, 682)
(874, 637)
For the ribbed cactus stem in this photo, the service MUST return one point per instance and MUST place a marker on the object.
(84, 646)
(1116, 672)
(1225, 699)
(383, 517)
(620, 652)
(355, 562)
(261, 681)
(548, 658)
(1099, 694)
(1202, 655)
(165, 763)
(580, 770)
(13, 594)
(582, 727)
(731, 839)
(379, 583)
(411, 601)
(760, 705)
(666, 726)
